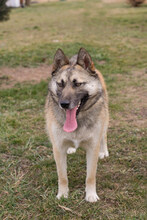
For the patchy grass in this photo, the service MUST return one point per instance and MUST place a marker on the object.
(115, 36)
(107, 30)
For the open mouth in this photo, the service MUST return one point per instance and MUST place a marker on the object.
(82, 103)
(70, 124)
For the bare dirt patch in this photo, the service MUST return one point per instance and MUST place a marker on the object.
(43, 1)
(112, 1)
(10, 76)
(117, 1)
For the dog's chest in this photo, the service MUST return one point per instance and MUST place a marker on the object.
(81, 137)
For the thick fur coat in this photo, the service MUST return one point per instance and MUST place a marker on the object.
(77, 115)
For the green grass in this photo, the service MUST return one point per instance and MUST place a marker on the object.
(111, 30)
(115, 36)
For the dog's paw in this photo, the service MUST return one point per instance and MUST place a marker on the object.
(62, 195)
(92, 197)
(71, 150)
(103, 154)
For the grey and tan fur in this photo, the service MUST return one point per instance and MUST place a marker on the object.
(76, 82)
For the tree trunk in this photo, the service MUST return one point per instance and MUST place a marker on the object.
(28, 2)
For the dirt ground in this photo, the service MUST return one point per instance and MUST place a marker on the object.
(105, 1)
(10, 76)
(42, 1)
(113, 1)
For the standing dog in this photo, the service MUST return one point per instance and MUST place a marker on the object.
(77, 115)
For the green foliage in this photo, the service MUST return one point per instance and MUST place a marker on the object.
(4, 11)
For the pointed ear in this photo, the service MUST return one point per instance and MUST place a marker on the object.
(59, 60)
(85, 61)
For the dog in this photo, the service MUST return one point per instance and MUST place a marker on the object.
(76, 114)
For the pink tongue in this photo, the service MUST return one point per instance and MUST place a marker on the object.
(70, 124)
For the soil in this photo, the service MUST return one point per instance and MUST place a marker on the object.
(117, 1)
(10, 76)
(105, 1)
(112, 1)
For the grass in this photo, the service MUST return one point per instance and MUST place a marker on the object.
(38, 36)
(115, 36)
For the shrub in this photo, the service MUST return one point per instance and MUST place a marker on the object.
(136, 3)
(4, 10)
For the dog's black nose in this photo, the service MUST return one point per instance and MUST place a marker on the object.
(65, 104)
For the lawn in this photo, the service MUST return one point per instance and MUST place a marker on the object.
(115, 35)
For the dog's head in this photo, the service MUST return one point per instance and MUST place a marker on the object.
(75, 85)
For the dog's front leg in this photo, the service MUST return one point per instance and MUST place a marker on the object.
(92, 159)
(60, 156)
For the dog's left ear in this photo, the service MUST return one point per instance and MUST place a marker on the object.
(59, 60)
(84, 60)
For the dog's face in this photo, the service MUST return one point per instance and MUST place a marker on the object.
(74, 86)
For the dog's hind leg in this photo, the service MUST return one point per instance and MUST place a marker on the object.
(72, 150)
(103, 147)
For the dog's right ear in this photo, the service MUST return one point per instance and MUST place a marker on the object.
(59, 60)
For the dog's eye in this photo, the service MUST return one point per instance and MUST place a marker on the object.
(61, 84)
(76, 84)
